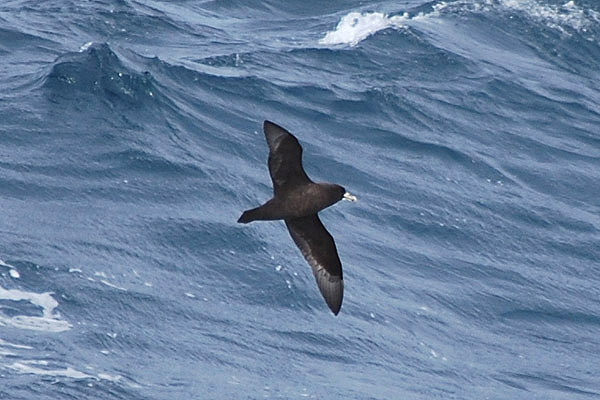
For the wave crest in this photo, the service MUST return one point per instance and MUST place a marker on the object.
(96, 69)
(356, 26)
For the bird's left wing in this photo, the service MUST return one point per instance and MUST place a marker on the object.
(318, 248)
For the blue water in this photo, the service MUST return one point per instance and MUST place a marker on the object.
(131, 141)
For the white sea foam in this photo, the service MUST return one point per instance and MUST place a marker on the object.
(12, 271)
(42, 367)
(356, 27)
(85, 46)
(557, 17)
(108, 377)
(4, 343)
(39, 368)
(3, 264)
(112, 285)
(49, 321)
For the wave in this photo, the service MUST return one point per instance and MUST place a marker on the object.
(97, 69)
(355, 27)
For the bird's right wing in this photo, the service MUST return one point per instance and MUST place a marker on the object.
(285, 157)
(318, 248)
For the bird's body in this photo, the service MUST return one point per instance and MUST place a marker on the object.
(297, 200)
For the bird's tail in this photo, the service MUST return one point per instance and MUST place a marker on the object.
(249, 216)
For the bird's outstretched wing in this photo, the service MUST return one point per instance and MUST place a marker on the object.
(318, 248)
(285, 157)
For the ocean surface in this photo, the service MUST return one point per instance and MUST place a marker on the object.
(131, 141)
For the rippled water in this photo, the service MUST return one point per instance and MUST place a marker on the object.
(130, 142)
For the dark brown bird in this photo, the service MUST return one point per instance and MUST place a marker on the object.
(297, 200)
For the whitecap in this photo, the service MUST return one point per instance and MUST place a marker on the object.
(355, 27)
(554, 16)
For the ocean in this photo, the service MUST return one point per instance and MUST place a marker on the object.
(131, 141)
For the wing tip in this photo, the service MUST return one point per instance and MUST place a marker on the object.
(271, 128)
(268, 125)
(335, 311)
(332, 290)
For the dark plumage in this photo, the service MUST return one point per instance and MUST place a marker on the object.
(297, 200)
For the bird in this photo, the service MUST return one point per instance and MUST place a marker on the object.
(297, 201)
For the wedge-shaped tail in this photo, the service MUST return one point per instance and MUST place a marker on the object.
(250, 215)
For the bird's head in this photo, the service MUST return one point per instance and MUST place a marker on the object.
(338, 193)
